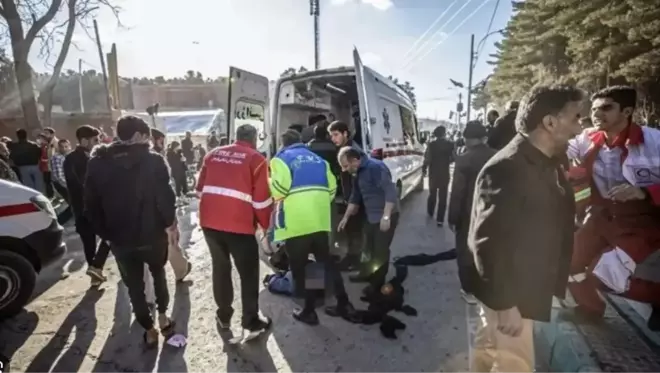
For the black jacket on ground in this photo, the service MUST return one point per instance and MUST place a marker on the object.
(128, 196)
(24, 153)
(503, 131)
(521, 232)
(325, 149)
(438, 156)
(75, 171)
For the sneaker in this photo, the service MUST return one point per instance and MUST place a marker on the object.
(223, 324)
(96, 283)
(96, 274)
(258, 327)
(306, 317)
(468, 298)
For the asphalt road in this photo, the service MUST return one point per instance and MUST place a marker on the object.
(70, 328)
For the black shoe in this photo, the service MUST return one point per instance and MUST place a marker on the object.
(359, 277)
(306, 317)
(345, 311)
(349, 263)
(257, 327)
(223, 321)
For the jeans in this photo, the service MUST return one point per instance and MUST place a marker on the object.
(298, 249)
(244, 249)
(378, 247)
(32, 177)
(95, 257)
(131, 264)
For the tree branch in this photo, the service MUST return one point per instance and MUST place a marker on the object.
(41, 23)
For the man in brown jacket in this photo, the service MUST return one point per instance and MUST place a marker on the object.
(466, 170)
(521, 233)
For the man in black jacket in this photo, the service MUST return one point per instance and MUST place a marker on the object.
(75, 171)
(521, 233)
(129, 200)
(26, 155)
(324, 148)
(187, 148)
(437, 158)
(504, 129)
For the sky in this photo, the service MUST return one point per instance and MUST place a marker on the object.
(166, 37)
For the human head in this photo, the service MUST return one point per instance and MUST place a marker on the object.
(158, 139)
(188, 134)
(492, 116)
(349, 159)
(223, 141)
(212, 133)
(612, 107)
(339, 133)
(174, 145)
(551, 114)
(439, 132)
(290, 137)
(21, 134)
(321, 131)
(246, 133)
(511, 106)
(134, 130)
(49, 132)
(42, 139)
(63, 146)
(87, 136)
(474, 133)
(316, 119)
(4, 151)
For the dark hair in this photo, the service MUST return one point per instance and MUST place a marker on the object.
(623, 95)
(174, 144)
(320, 132)
(50, 130)
(349, 152)
(157, 134)
(21, 134)
(62, 141)
(339, 126)
(542, 101)
(246, 132)
(86, 132)
(290, 137)
(493, 112)
(440, 131)
(296, 127)
(223, 141)
(315, 119)
(129, 125)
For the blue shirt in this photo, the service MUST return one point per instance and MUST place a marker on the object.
(373, 187)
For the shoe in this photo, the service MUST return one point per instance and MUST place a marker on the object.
(258, 327)
(468, 297)
(359, 277)
(306, 317)
(345, 311)
(96, 274)
(188, 269)
(150, 338)
(223, 324)
(349, 263)
(95, 283)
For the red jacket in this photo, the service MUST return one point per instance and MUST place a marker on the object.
(43, 161)
(234, 186)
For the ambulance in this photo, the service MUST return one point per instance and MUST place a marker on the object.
(30, 239)
(380, 114)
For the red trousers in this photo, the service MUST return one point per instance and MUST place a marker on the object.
(634, 227)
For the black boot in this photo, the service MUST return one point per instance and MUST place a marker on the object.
(304, 316)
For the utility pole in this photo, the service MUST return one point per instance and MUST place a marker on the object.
(469, 93)
(80, 86)
(105, 74)
(314, 11)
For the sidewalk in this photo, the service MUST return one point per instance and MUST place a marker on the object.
(622, 343)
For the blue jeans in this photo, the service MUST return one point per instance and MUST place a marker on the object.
(32, 177)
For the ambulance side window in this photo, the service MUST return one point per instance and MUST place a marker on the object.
(409, 124)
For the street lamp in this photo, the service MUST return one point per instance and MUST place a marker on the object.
(473, 62)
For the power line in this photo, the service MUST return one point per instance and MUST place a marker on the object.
(450, 34)
(490, 25)
(421, 38)
(411, 60)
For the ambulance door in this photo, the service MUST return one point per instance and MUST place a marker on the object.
(248, 104)
(368, 101)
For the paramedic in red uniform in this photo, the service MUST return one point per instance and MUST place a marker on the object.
(622, 227)
(235, 197)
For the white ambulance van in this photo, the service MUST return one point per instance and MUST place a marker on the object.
(380, 114)
(30, 239)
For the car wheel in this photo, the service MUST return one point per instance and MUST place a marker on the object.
(17, 281)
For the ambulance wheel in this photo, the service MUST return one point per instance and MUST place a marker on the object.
(17, 281)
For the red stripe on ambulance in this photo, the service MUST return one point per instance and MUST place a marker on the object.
(19, 209)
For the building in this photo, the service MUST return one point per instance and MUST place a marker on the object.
(181, 96)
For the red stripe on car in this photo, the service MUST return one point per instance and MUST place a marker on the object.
(19, 209)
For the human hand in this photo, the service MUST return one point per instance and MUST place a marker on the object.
(342, 224)
(385, 224)
(510, 322)
(626, 192)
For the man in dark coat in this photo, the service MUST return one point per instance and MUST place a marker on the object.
(466, 170)
(521, 233)
(505, 127)
(324, 148)
(437, 158)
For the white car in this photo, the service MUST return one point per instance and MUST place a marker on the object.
(30, 239)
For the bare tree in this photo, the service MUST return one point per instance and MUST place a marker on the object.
(40, 18)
